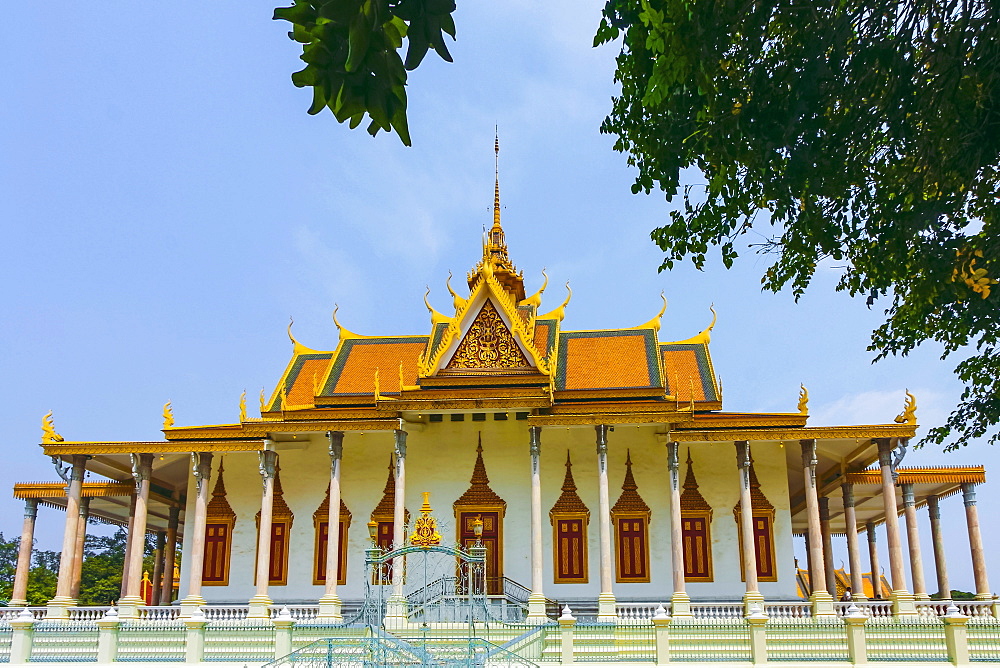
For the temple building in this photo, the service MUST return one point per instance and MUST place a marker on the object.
(598, 468)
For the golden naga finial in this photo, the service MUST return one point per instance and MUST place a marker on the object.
(803, 400)
(49, 434)
(425, 533)
(436, 317)
(457, 302)
(705, 336)
(243, 406)
(909, 414)
(654, 324)
(401, 384)
(378, 395)
(559, 313)
(536, 299)
(283, 395)
(691, 393)
(263, 401)
(168, 416)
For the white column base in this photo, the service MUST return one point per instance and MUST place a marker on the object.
(395, 612)
(128, 607)
(17, 603)
(822, 604)
(922, 597)
(259, 607)
(750, 599)
(680, 604)
(189, 604)
(536, 610)
(58, 607)
(330, 610)
(903, 603)
(606, 610)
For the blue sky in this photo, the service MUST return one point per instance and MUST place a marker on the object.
(167, 204)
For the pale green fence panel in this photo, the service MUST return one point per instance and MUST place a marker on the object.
(5, 635)
(806, 639)
(306, 634)
(143, 640)
(611, 642)
(894, 639)
(702, 641)
(64, 642)
(984, 639)
(240, 641)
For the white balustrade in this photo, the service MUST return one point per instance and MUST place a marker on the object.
(88, 613)
(717, 610)
(788, 610)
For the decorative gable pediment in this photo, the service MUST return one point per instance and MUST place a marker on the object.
(488, 344)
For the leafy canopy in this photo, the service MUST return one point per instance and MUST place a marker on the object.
(863, 133)
(351, 50)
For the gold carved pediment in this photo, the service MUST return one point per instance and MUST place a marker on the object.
(488, 344)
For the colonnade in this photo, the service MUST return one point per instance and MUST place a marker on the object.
(819, 541)
(902, 594)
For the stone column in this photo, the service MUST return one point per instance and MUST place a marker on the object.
(680, 602)
(752, 594)
(940, 565)
(822, 601)
(873, 560)
(142, 466)
(57, 607)
(399, 515)
(853, 553)
(19, 595)
(536, 602)
(913, 543)
(81, 539)
(329, 604)
(976, 542)
(902, 600)
(259, 606)
(161, 541)
(829, 568)
(195, 554)
(129, 530)
(606, 611)
(169, 557)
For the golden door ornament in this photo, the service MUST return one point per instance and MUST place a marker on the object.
(425, 531)
(488, 344)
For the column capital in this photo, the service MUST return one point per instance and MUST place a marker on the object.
(809, 459)
(674, 463)
(884, 451)
(602, 438)
(909, 499)
(336, 445)
(175, 515)
(824, 509)
(201, 467)
(870, 530)
(399, 443)
(933, 507)
(969, 494)
(848, 490)
(535, 441)
(30, 508)
(142, 468)
(85, 507)
(267, 460)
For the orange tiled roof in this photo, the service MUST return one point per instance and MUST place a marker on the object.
(687, 367)
(612, 359)
(353, 370)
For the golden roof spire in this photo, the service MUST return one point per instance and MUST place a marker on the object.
(496, 181)
(495, 247)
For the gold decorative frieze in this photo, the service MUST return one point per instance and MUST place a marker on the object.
(792, 434)
(152, 447)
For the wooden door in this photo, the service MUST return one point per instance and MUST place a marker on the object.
(491, 540)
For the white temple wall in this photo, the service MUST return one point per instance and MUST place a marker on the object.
(440, 459)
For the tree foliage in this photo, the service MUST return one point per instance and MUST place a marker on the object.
(351, 50)
(863, 134)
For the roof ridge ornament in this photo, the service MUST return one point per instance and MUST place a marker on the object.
(457, 302)
(803, 406)
(168, 415)
(909, 414)
(705, 336)
(49, 434)
(654, 324)
(536, 299)
(559, 313)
